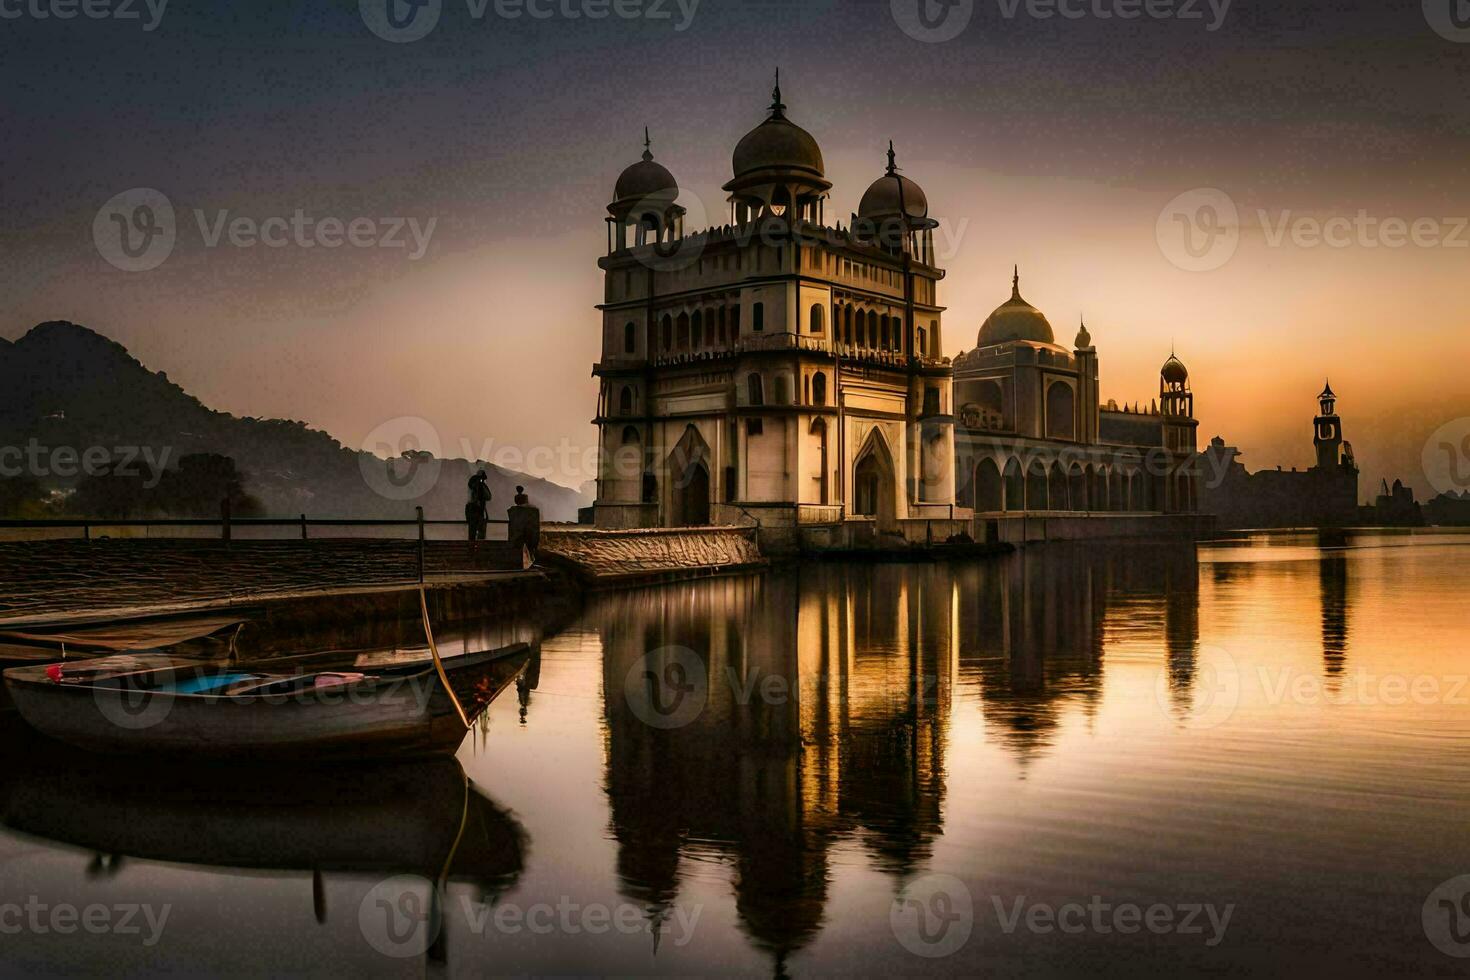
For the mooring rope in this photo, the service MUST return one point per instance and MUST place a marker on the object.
(439, 664)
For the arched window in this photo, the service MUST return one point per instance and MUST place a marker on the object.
(817, 318)
(696, 325)
(1059, 412)
(630, 342)
(883, 333)
(682, 331)
(625, 401)
(630, 435)
(921, 346)
(667, 324)
(758, 316)
(757, 390)
(819, 389)
(783, 389)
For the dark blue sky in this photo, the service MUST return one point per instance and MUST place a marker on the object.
(509, 133)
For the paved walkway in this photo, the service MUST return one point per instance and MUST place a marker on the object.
(65, 581)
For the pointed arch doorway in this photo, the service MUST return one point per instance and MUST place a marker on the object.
(875, 484)
(688, 468)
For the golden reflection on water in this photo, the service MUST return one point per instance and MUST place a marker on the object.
(755, 768)
(1178, 724)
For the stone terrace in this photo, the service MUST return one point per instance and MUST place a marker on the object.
(58, 581)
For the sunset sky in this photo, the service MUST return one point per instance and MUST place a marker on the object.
(1053, 143)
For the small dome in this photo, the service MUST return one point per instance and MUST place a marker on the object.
(1015, 319)
(882, 198)
(893, 194)
(1174, 371)
(1084, 339)
(646, 180)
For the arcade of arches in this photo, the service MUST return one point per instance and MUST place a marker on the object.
(1041, 484)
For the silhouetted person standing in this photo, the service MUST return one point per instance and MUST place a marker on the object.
(525, 525)
(476, 512)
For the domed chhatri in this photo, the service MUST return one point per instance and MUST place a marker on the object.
(1174, 371)
(892, 195)
(1084, 339)
(646, 182)
(1015, 319)
(778, 152)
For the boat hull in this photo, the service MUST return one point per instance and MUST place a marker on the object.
(408, 715)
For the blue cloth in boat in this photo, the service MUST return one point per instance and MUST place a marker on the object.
(212, 682)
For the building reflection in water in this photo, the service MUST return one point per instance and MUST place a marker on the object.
(827, 698)
(1333, 576)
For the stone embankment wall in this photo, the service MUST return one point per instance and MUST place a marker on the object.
(604, 557)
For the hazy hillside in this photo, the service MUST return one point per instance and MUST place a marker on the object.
(65, 385)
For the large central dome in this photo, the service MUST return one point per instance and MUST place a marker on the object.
(780, 146)
(778, 152)
(1015, 319)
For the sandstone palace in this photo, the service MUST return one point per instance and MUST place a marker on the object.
(787, 371)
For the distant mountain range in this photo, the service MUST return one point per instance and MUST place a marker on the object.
(63, 385)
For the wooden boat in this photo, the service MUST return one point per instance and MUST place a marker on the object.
(155, 703)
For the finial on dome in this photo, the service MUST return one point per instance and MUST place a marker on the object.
(777, 106)
(892, 166)
(647, 145)
(1016, 282)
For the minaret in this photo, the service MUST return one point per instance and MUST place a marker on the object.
(1088, 407)
(1327, 434)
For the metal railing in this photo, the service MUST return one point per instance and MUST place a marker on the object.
(226, 526)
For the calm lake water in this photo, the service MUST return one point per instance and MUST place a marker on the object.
(1241, 756)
